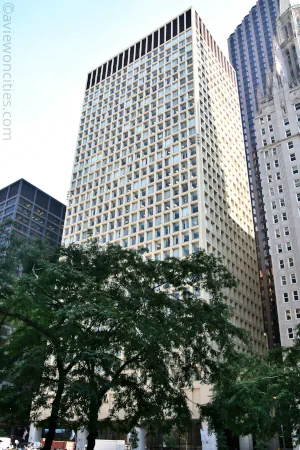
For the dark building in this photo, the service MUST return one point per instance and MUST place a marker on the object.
(251, 54)
(34, 212)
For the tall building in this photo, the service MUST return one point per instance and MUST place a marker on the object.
(34, 213)
(160, 160)
(251, 54)
(278, 139)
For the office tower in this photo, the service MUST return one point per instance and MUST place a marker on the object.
(251, 54)
(160, 160)
(277, 129)
(34, 213)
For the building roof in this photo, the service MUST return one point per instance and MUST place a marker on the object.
(35, 187)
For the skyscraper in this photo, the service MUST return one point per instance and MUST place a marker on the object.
(34, 212)
(277, 129)
(160, 160)
(251, 54)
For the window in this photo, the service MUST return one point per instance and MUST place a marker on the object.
(291, 262)
(268, 166)
(288, 314)
(263, 131)
(286, 297)
(270, 178)
(297, 312)
(185, 237)
(297, 183)
(267, 154)
(282, 202)
(176, 253)
(288, 133)
(269, 117)
(262, 120)
(185, 212)
(290, 333)
(297, 106)
(298, 197)
(276, 163)
(185, 251)
(289, 246)
(284, 216)
(277, 234)
(281, 264)
(278, 176)
(275, 218)
(279, 248)
(274, 206)
(298, 118)
(286, 231)
(290, 145)
(293, 157)
(272, 140)
(296, 296)
(280, 189)
(265, 143)
(272, 191)
(283, 280)
(293, 278)
(274, 151)
(295, 170)
(286, 122)
(271, 128)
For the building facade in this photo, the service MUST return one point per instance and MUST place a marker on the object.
(160, 160)
(251, 54)
(34, 212)
(278, 139)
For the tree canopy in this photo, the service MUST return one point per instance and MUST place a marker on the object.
(89, 320)
(257, 396)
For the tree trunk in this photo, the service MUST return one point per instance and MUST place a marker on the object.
(92, 440)
(54, 416)
(93, 419)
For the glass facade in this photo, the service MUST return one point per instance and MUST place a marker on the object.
(34, 213)
(251, 54)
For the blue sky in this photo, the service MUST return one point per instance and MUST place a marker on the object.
(54, 45)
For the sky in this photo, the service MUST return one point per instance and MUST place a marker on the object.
(53, 47)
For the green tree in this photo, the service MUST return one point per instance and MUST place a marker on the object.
(110, 319)
(242, 400)
(3, 433)
(288, 396)
(21, 367)
(257, 396)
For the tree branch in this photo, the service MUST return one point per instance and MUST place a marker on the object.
(42, 290)
(3, 321)
(29, 322)
(108, 386)
(71, 365)
(112, 356)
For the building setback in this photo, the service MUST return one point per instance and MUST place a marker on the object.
(34, 212)
(251, 54)
(278, 140)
